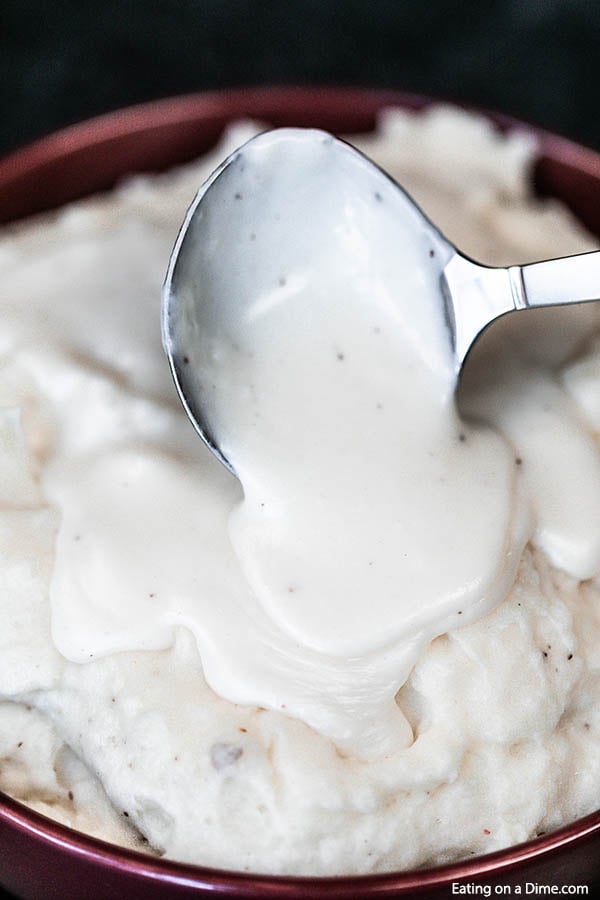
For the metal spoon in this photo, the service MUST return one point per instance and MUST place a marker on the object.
(196, 309)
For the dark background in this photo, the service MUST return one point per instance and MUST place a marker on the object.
(64, 61)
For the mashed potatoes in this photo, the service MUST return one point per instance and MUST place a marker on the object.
(135, 746)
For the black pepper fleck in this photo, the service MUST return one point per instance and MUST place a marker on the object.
(125, 813)
(378, 196)
(518, 461)
(462, 437)
(237, 195)
(70, 795)
(570, 656)
(341, 357)
(431, 254)
(186, 360)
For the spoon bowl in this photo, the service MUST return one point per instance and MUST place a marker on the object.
(265, 224)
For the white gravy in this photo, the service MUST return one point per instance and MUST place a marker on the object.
(372, 517)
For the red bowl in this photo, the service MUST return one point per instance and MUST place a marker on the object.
(40, 858)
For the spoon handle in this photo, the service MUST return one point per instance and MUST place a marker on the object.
(476, 295)
(572, 279)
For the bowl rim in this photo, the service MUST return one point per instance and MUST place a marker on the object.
(53, 833)
(257, 101)
(156, 114)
